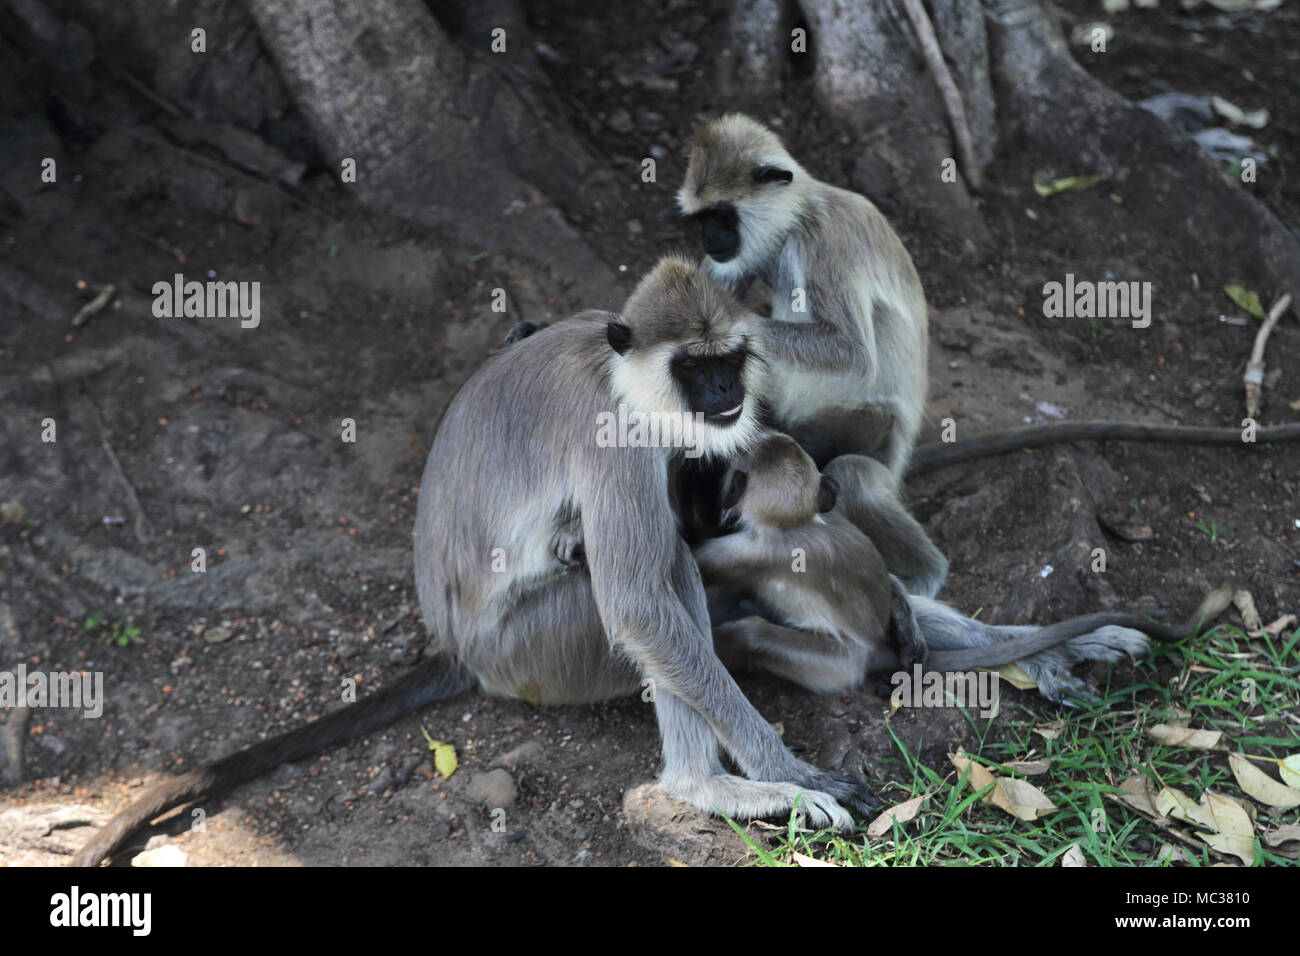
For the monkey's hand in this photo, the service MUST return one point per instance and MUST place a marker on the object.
(904, 628)
(522, 330)
(567, 545)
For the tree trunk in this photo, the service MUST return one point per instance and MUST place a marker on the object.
(439, 137)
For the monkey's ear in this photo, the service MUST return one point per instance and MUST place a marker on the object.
(827, 493)
(735, 488)
(619, 335)
(772, 174)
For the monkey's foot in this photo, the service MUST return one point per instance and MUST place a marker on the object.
(742, 799)
(903, 627)
(1050, 669)
(848, 791)
(926, 586)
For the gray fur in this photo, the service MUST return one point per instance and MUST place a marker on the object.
(536, 632)
(847, 375)
(841, 616)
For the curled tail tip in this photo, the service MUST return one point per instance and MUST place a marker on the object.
(1214, 604)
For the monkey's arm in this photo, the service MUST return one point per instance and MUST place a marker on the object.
(728, 559)
(938, 455)
(820, 345)
(652, 605)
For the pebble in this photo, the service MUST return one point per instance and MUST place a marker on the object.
(493, 789)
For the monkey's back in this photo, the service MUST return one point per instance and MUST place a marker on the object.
(881, 290)
(496, 475)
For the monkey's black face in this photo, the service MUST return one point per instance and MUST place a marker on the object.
(713, 384)
(720, 231)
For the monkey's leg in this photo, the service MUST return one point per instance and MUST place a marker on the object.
(944, 629)
(715, 698)
(693, 773)
(868, 496)
(549, 647)
(816, 661)
(904, 628)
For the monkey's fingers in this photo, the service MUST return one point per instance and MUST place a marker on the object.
(849, 792)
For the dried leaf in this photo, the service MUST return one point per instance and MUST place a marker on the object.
(1245, 605)
(1243, 848)
(803, 860)
(1030, 768)
(979, 776)
(1260, 785)
(902, 812)
(1073, 857)
(1020, 798)
(1051, 731)
(1284, 623)
(1230, 816)
(1140, 794)
(1187, 737)
(1289, 768)
(1171, 802)
(1014, 675)
(1168, 850)
(1051, 187)
(1288, 833)
(1254, 119)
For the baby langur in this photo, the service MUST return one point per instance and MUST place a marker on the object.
(846, 343)
(829, 614)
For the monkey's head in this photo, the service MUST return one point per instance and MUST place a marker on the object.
(744, 190)
(775, 485)
(683, 350)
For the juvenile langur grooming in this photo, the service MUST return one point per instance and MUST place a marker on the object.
(831, 614)
(846, 343)
(827, 600)
(516, 464)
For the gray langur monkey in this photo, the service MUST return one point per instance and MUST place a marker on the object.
(846, 343)
(848, 335)
(829, 613)
(518, 457)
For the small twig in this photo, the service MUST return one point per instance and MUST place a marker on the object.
(132, 499)
(164, 105)
(1254, 377)
(94, 306)
(947, 89)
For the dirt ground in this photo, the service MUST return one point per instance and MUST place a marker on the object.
(230, 440)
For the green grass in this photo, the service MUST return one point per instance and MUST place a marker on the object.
(120, 633)
(1212, 532)
(1097, 748)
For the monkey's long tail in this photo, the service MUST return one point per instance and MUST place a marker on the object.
(935, 621)
(927, 458)
(433, 679)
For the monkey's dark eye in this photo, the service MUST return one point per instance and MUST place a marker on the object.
(690, 363)
(827, 493)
